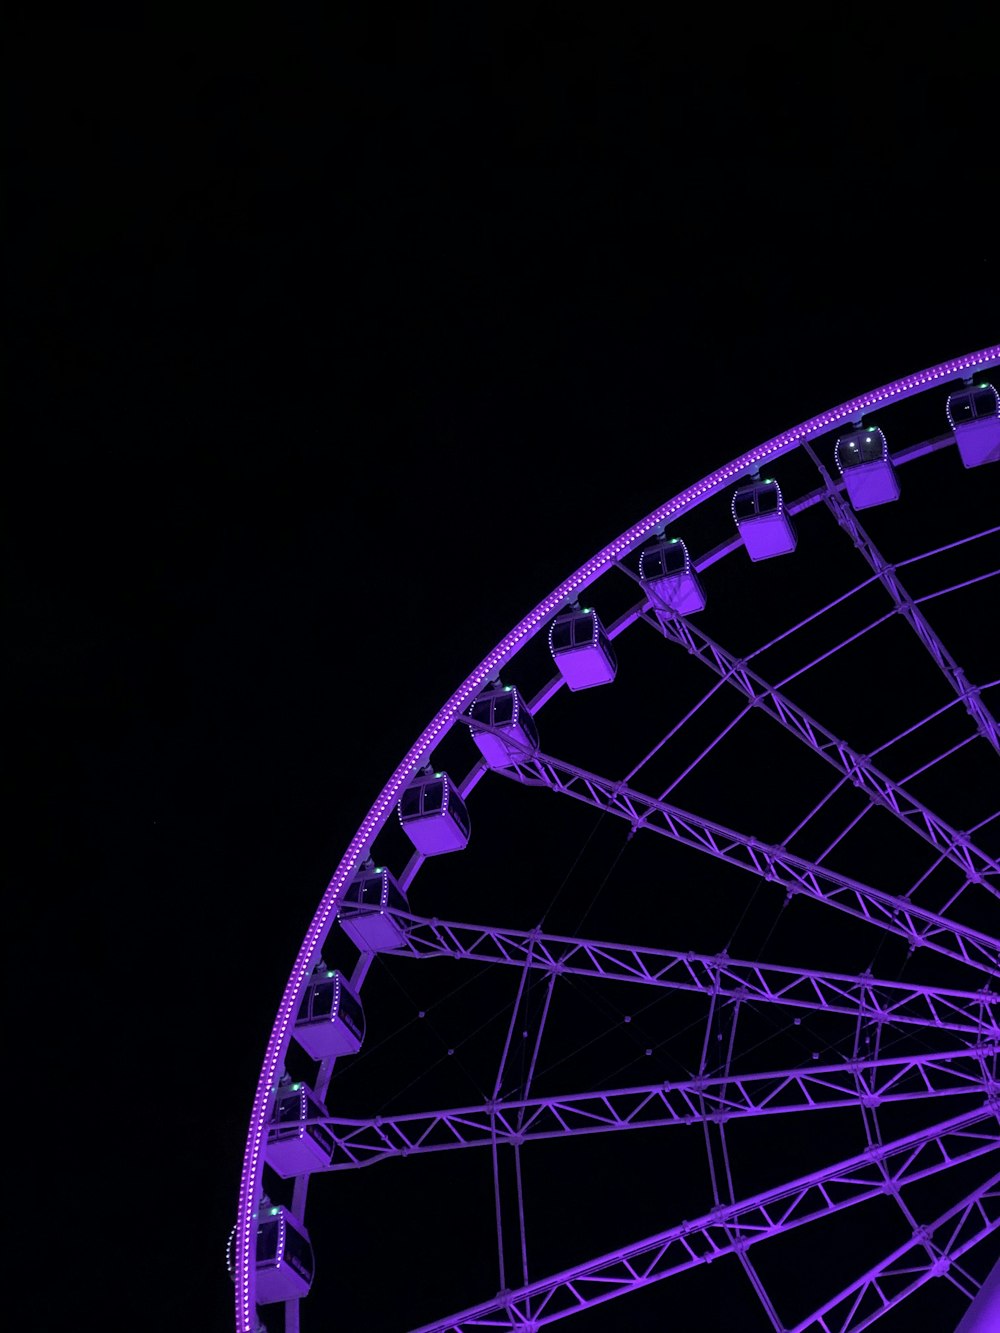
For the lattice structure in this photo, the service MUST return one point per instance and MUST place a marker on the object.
(827, 821)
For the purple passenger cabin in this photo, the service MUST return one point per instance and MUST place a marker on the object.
(502, 727)
(365, 912)
(433, 815)
(285, 1263)
(864, 463)
(674, 587)
(581, 648)
(760, 516)
(331, 1021)
(295, 1147)
(974, 416)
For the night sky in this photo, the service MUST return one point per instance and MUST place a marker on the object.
(333, 351)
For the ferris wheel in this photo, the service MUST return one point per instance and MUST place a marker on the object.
(676, 932)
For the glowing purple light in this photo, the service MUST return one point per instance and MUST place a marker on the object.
(251, 1174)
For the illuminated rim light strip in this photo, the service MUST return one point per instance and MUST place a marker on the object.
(253, 1160)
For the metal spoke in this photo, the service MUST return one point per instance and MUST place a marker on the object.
(881, 1053)
(932, 1251)
(970, 695)
(706, 1100)
(771, 1213)
(898, 1002)
(918, 926)
(856, 768)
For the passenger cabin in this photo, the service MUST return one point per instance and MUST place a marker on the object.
(974, 416)
(285, 1263)
(364, 913)
(502, 727)
(760, 516)
(331, 1020)
(433, 815)
(294, 1147)
(674, 587)
(864, 463)
(581, 648)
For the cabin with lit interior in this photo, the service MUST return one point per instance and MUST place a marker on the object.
(433, 815)
(501, 726)
(666, 571)
(366, 907)
(759, 512)
(863, 460)
(296, 1145)
(285, 1264)
(581, 648)
(331, 1021)
(974, 416)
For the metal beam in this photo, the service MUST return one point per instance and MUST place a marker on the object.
(932, 1251)
(725, 1229)
(976, 1012)
(847, 1083)
(858, 769)
(970, 695)
(918, 926)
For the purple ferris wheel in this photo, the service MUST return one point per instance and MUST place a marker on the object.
(700, 976)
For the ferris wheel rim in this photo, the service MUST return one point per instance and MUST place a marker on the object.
(694, 495)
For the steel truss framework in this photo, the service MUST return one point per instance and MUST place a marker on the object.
(934, 1046)
(964, 1071)
(897, 914)
(883, 1169)
(976, 1012)
(970, 695)
(934, 1250)
(858, 770)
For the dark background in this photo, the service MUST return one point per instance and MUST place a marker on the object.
(332, 351)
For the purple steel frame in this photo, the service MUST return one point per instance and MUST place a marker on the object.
(855, 768)
(863, 996)
(919, 926)
(718, 1099)
(734, 1227)
(878, 1171)
(970, 695)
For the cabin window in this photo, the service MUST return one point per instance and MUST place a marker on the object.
(298, 1252)
(767, 500)
(267, 1241)
(351, 1012)
(503, 709)
(583, 630)
(320, 1004)
(743, 505)
(562, 632)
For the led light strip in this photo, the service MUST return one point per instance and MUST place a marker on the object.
(250, 1179)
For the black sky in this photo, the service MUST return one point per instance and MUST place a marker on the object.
(332, 351)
